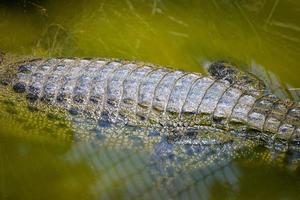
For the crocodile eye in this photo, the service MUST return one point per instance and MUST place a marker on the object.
(217, 70)
(222, 70)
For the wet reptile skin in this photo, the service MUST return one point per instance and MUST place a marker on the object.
(172, 101)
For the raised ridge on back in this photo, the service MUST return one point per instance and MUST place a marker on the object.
(166, 99)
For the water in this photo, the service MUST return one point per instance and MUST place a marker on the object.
(37, 156)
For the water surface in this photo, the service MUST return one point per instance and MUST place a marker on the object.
(38, 159)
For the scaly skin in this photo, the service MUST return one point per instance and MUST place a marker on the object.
(152, 96)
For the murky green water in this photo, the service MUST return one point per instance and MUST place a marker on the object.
(36, 152)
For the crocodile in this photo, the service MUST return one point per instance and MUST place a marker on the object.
(137, 160)
(172, 102)
(166, 133)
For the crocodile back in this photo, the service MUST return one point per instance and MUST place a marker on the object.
(149, 95)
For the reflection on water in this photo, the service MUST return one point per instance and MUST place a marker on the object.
(177, 33)
(37, 156)
(31, 145)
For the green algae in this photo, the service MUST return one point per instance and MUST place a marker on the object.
(260, 36)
